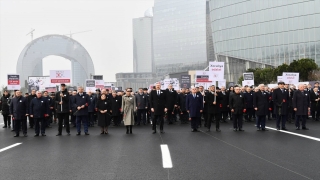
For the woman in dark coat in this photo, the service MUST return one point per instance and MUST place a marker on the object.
(5, 101)
(104, 116)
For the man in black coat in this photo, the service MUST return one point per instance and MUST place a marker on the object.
(81, 101)
(30, 97)
(301, 106)
(116, 102)
(171, 96)
(223, 104)
(237, 107)
(280, 99)
(145, 91)
(4, 104)
(248, 98)
(39, 111)
(212, 99)
(62, 109)
(158, 104)
(19, 110)
(315, 106)
(261, 106)
(181, 104)
(142, 106)
(51, 104)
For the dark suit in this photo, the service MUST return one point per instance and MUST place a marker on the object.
(213, 109)
(237, 103)
(315, 106)
(223, 105)
(281, 104)
(63, 110)
(19, 107)
(261, 101)
(171, 100)
(142, 105)
(248, 98)
(181, 103)
(301, 101)
(39, 108)
(82, 114)
(194, 103)
(158, 103)
(116, 106)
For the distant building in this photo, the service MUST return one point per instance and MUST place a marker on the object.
(135, 80)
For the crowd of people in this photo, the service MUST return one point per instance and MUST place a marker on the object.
(199, 106)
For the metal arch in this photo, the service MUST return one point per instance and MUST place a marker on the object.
(58, 45)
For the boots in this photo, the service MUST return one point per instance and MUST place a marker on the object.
(130, 129)
(127, 129)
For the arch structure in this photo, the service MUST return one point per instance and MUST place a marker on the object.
(30, 59)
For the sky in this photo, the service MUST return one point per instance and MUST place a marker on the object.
(109, 40)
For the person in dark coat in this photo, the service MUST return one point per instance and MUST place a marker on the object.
(5, 103)
(261, 106)
(116, 102)
(158, 107)
(181, 104)
(142, 106)
(19, 110)
(145, 91)
(212, 101)
(280, 99)
(248, 98)
(63, 109)
(223, 104)
(104, 107)
(30, 97)
(81, 101)
(91, 109)
(203, 93)
(171, 95)
(301, 106)
(315, 106)
(194, 105)
(39, 111)
(72, 108)
(51, 105)
(237, 107)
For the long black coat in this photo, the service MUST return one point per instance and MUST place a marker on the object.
(39, 107)
(5, 103)
(223, 101)
(261, 101)
(19, 107)
(281, 101)
(181, 101)
(237, 103)
(158, 103)
(248, 98)
(171, 97)
(65, 102)
(104, 118)
(79, 101)
(315, 105)
(116, 103)
(213, 108)
(194, 105)
(301, 101)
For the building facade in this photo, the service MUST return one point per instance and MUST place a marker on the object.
(135, 80)
(267, 32)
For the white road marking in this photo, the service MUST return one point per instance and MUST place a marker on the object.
(9, 147)
(296, 134)
(166, 158)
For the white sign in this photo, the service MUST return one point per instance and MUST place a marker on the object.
(280, 79)
(290, 77)
(13, 82)
(222, 83)
(99, 84)
(217, 69)
(39, 83)
(203, 76)
(166, 82)
(248, 82)
(60, 76)
(90, 85)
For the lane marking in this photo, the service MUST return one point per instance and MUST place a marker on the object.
(296, 134)
(9, 147)
(166, 158)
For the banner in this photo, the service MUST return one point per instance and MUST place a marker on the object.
(185, 81)
(39, 83)
(203, 77)
(248, 83)
(217, 69)
(60, 76)
(166, 82)
(13, 82)
(248, 79)
(290, 77)
(280, 79)
(90, 85)
(99, 84)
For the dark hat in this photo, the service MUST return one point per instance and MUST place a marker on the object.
(145, 89)
(62, 84)
(98, 90)
(280, 82)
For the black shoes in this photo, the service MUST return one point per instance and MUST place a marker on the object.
(17, 135)
(234, 129)
(241, 129)
(304, 128)
(43, 135)
(297, 128)
(218, 130)
(78, 134)
(258, 129)
(284, 129)
(154, 132)
(59, 134)
(36, 135)
(278, 128)
(68, 134)
(4, 127)
(264, 129)
(86, 134)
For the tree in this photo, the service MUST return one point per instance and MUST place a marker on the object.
(240, 80)
(304, 67)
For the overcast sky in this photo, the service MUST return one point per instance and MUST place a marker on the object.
(109, 43)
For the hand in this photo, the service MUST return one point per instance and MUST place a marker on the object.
(60, 102)
(227, 105)
(136, 108)
(46, 115)
(308, 109)
(31, 115)
(78, 107)
(51, 107)
(101, 112)
(188, 111)
(82, 106)
(214, 102)
(215, 94)
(61, 95)
(152, 110)
(204, 102)
(232, 110)
(27, 114)
(189, 119)
(111, 111)
(165, 109)
(146, 107)
(295, 109)
(70, 110)
(175, 106)
(201, 111)
(256, 109)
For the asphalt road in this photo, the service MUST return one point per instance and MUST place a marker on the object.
(195, 155)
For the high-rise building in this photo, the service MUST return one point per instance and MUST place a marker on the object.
(265, 32)
(142, 43)
(180, 38)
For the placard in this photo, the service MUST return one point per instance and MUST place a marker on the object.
(217, 69)
(13, 82)
(203, 77)
(90, 85)
(290, 77)
(60, 76)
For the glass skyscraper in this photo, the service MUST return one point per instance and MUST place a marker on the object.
(270, 32)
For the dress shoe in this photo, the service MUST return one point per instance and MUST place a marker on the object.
(102, 133)
(218, 130)
(12, 130)
(193, 130)
(36, 135)
(86, 133)
(154, 132)
(59, 134)
(304, 128)
(4, 127)
(162, 132)
(265, 130)
(284, 129)
(9, 126)
(234, 129)
(17, 135)
(241, 129)
(78, 134)
(43, 135)
(297, 128)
